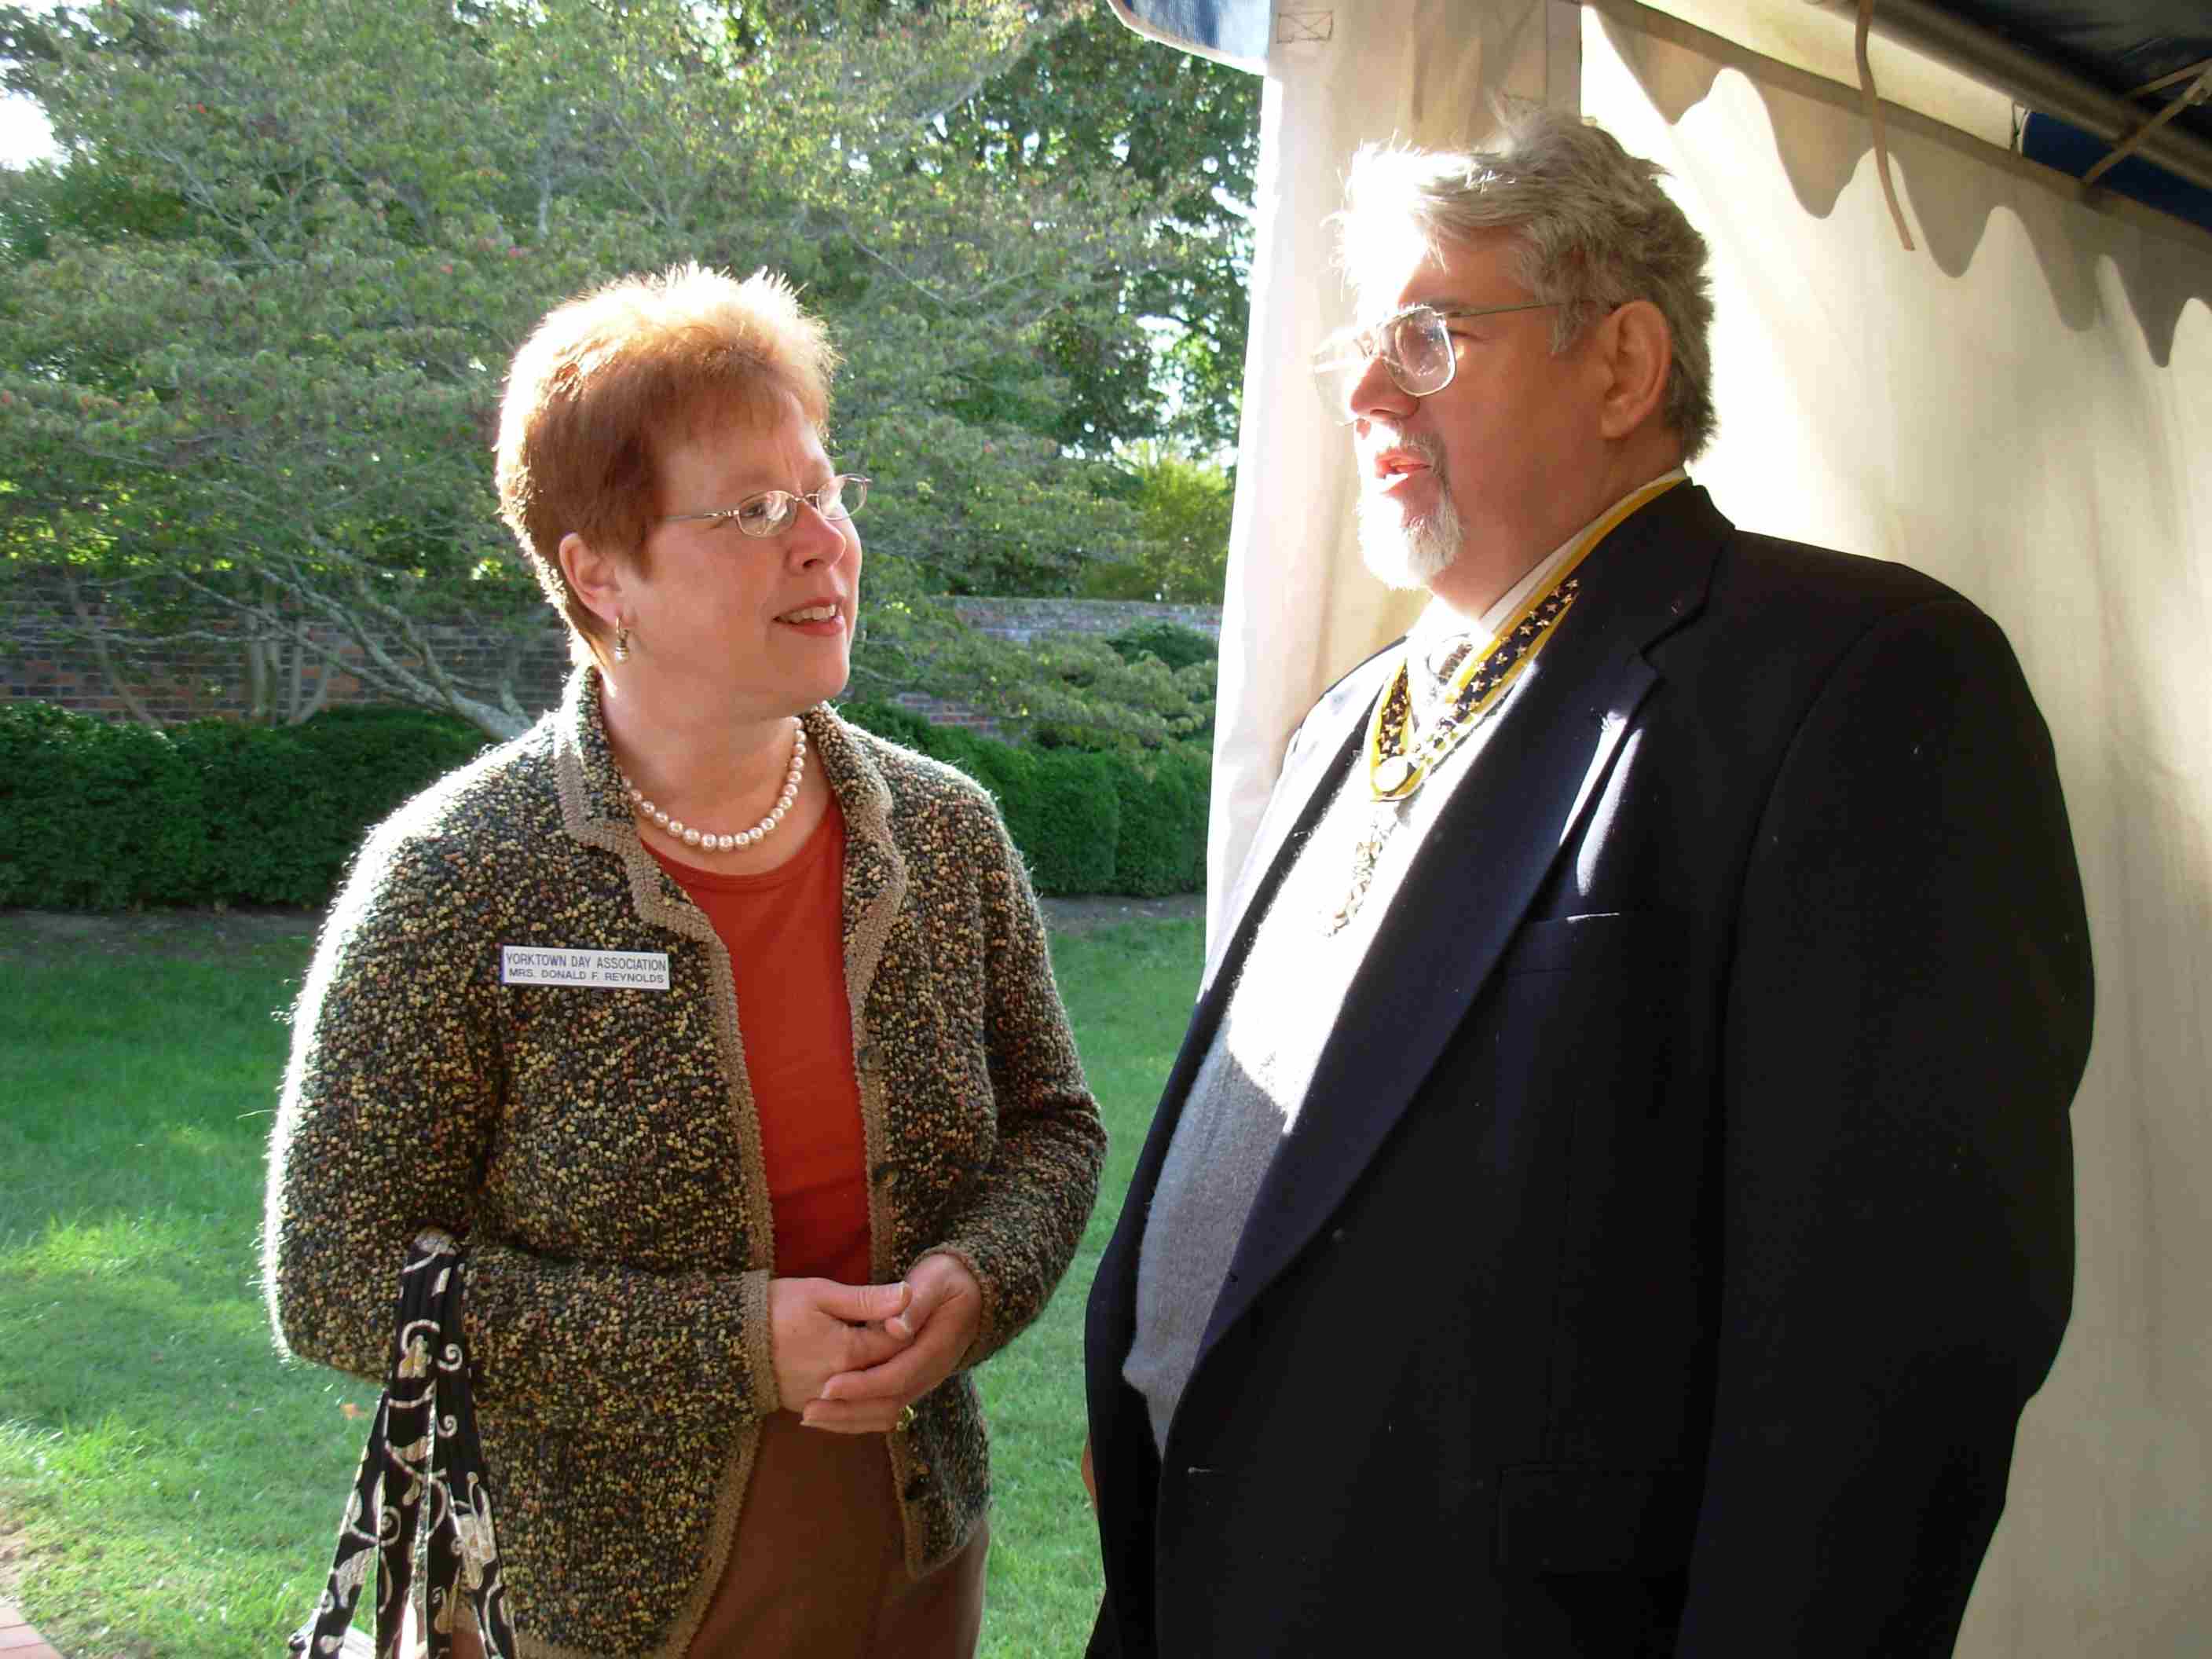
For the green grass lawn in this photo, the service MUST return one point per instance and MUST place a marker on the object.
(167, 1489)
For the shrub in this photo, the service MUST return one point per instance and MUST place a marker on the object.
(1176, 646)
(1066, 819)
(372, 759)
(1163, 795)
(260, 806)
(95, 816)
(1113, 820)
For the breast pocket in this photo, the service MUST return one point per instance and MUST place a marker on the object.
(1587, 1000)
(1560, 944)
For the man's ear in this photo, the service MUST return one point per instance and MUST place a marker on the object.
(595, 578)
(1638, 352)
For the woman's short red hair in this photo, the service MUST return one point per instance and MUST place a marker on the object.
(609, 376)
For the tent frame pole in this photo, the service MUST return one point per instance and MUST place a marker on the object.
(1994, 61)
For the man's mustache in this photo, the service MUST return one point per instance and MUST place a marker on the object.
(1423, 445)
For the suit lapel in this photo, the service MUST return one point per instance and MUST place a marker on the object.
(1478, 870)
(1327, 739)
(1311, 772)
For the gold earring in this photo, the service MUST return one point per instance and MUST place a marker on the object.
(622, 641)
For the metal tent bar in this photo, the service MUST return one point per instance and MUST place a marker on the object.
(1988, 58)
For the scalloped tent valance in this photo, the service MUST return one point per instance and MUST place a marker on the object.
(1820, 135)
(2096, 70)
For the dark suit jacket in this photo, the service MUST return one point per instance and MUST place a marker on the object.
(1681, 1212)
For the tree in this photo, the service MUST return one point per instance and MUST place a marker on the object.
(247, 369)
(1094, 100)
(252, 325)
(1183, 510)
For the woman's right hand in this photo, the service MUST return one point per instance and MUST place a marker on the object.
(819, 1328)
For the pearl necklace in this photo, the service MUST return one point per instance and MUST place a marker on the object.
(706, 840)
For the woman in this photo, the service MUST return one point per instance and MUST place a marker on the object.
(745, 1204)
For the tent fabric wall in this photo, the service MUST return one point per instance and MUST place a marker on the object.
(2023, 408)
(2024, 411)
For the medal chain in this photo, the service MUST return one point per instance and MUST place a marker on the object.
(1395, 772)
(1397, 766)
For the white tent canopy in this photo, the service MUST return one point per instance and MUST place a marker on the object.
(2022, 407)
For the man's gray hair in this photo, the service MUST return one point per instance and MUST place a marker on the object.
(1593, 231)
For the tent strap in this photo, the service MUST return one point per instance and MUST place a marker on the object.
(2195, 92)
(1874, 120)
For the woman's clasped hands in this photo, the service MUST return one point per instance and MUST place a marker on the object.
(851, 1357)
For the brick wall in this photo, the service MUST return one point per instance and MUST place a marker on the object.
(1022, 620)
(44, 656)
(939, 711)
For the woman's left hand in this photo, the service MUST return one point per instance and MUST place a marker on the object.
(941, 1318)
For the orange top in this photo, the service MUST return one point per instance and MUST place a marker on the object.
(784, 930)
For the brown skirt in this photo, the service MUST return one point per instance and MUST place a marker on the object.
(818, 1568)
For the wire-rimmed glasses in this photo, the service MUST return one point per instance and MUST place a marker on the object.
(1415, 347)
(770, 512)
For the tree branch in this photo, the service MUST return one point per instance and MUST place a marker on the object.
(98, 635)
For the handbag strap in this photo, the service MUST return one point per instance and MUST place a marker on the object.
(422, 1445)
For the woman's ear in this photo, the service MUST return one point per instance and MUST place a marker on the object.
(594, 578)
(1639, 355)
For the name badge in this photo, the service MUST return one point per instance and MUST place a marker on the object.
(601, 970)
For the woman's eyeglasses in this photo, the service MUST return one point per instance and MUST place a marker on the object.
(770, 512)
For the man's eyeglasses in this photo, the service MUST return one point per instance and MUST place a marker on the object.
(1414, 345)
(770, 512)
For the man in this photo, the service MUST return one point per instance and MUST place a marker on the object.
(1614, 1197)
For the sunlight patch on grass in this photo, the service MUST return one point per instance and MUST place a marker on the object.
(101, 1246)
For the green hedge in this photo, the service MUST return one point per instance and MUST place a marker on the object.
(95, 816)
(1173, 643)
(1164, 795)
(1110, 822)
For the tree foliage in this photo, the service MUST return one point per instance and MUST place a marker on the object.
(1095, 100)
(252, 322)
(1182, 517)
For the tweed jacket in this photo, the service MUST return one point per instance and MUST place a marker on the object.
(599, 1152)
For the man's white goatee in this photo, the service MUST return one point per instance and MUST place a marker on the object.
(1409, 555)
